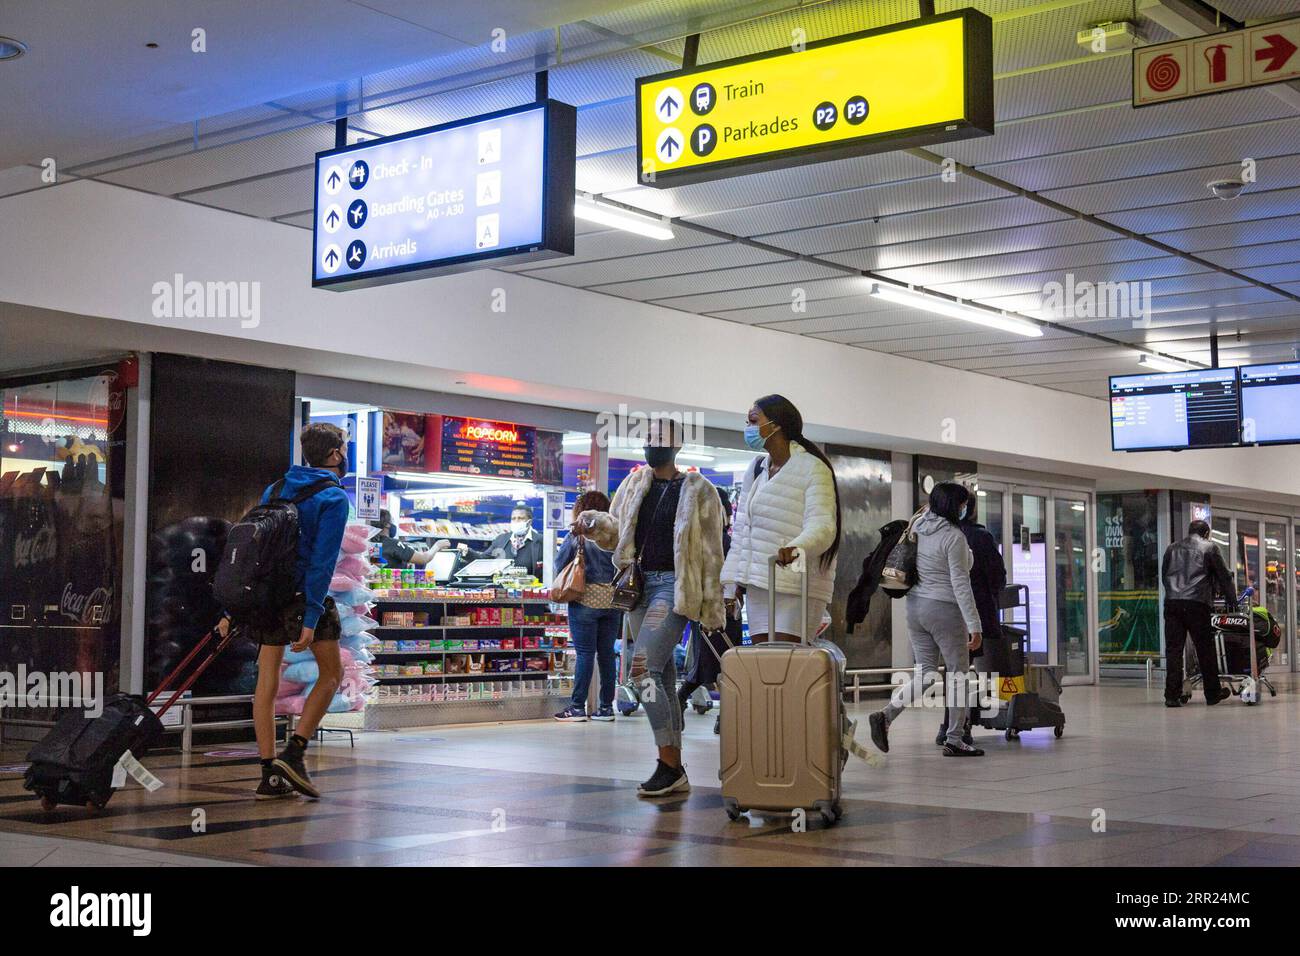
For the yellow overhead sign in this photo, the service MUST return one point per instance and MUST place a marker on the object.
(913, 84)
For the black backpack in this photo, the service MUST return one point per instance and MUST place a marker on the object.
(257, 570)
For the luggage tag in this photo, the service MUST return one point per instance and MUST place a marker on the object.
(129, 765)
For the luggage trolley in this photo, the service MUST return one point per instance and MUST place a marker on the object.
(1037, 705)
(1243, 650)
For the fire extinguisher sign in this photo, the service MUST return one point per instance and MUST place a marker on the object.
(1258, 56)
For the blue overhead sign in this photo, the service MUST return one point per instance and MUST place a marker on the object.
(487, 190)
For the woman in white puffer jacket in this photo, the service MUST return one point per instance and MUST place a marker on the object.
(788, 504)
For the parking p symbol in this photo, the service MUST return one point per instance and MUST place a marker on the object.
(703, 139)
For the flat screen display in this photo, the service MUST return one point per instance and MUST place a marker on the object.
(492, 188)
(1172, 410)
(1270, 403)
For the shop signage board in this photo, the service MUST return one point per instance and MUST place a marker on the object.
(369, 493)
(1255, 56)
(912, 84)
(485, 191)
(472, 446)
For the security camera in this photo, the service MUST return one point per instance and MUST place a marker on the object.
(1226, 188)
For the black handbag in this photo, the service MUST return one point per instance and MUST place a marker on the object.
(628, 587)
(629, 583)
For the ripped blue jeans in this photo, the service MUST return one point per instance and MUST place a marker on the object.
(657, 630)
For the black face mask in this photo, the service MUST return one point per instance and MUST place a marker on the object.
(341, 469)
(657, 456)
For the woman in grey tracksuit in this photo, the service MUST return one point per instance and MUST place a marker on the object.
(943, 620)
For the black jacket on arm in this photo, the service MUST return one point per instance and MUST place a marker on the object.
(988, 576)
(859, 600)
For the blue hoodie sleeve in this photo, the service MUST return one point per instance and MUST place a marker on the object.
(331, 521)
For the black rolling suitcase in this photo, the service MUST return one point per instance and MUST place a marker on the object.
(75, 761)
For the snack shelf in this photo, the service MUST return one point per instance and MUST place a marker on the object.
(459, 627)
(378, 597)
(481, 675)
(480, 650)
(555, 695)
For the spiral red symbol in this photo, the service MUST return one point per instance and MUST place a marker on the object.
(1162, 73)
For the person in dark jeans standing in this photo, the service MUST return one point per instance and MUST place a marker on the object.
(1192, 571)
(593, 623)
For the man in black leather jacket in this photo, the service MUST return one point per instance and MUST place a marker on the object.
(1192, 570)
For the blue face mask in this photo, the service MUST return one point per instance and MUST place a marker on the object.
(754, 438)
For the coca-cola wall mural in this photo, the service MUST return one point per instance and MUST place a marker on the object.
(219, 434)
(62, 477)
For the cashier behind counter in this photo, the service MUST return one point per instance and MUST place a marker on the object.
(395, 552)
(521, 544)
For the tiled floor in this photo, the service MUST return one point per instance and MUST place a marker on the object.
(1194, 786)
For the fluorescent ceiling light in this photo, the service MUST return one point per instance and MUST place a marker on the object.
(652, 227)
(485, 482)
(689, 456)
(733, 466)
(1158, 363)
(955, 310)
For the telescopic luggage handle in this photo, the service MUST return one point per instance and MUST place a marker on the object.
(771, 599)
(198, 671)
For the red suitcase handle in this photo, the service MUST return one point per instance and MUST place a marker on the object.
(222, 644)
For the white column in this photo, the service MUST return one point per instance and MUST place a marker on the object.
(135, 530)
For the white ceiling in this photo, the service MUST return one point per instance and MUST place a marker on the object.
(1065, 130)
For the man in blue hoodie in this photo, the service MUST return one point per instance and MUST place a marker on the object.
(310, 620)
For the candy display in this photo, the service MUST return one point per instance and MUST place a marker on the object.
(351, 595)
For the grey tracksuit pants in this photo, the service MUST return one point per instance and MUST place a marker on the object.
(938, 633)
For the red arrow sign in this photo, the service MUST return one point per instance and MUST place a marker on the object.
(1278, 51)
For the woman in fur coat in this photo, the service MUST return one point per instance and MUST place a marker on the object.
(671, 523)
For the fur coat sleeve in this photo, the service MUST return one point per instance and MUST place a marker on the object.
(601, 528)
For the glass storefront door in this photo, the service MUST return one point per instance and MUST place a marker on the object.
(1046, 536)
(1245, 556)
(1029, 565)
(1277, 573)
(1070, 537)
(1256, 548)
(62, 474)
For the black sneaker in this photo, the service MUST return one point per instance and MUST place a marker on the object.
(1176, 702)
(605, 714)
(291, 767)
(572, 715)
(717, 726)
(272, 787)
(941, 736)
(666, 780)
(1224, 694)
(962, 750)
(879, 731)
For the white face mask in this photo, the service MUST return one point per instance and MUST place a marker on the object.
(520, 528)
